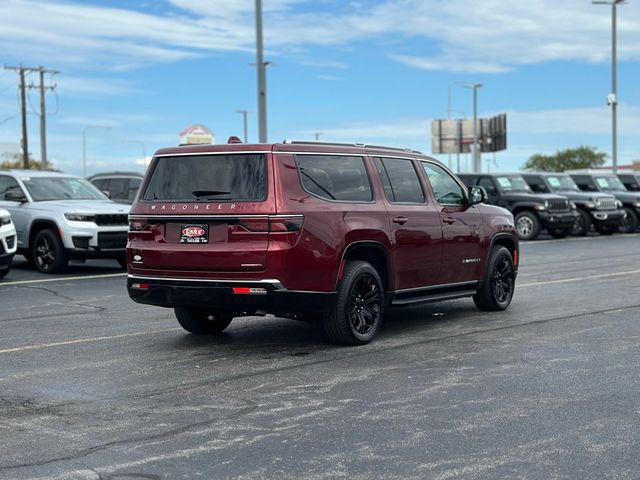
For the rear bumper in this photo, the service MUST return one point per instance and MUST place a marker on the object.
(267, 296)
(607, 217)
(558, 220)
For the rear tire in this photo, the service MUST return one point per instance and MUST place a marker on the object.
(629, 224)
(47, 252)
(200, 321)
(122, 261)
(359, 308)
(3, 273)
(560, 232)
(582, 225)
(527, 225)
(499, 282)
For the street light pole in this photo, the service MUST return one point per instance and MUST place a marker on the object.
(262, 87)
(244, 122)
(477, 165)
(317, 136)
(84, 145)
(613, 97)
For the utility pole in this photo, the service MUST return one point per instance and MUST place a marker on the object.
(260, 65)
(43, 112)
(23, 110)
(477, 160)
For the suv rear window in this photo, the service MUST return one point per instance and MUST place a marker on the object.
(237, 177)
(335, 177)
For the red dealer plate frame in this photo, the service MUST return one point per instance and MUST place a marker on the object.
(194, 233)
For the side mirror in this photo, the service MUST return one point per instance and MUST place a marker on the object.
(15, 195)
(477, 195)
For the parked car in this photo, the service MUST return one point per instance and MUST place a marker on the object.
(611, 184)
(532, 212)
(631, 180)
(334, 233)
(118, 186)
(594, 208)
(8, 242)
(59, 217)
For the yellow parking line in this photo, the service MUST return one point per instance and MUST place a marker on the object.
(579, 279)
(61, 279)
(84, 340)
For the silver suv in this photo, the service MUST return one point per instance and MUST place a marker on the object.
(7, 242)
(59, 217)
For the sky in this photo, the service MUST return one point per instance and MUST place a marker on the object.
(375, 71)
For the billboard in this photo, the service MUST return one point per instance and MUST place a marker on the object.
(456, 135)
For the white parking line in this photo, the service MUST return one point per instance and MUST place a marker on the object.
(84, 340)
(61, 279)
(579, 279)
(578, 239)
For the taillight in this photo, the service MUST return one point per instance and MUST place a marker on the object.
(274, 224)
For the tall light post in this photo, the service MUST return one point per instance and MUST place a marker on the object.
(317, 136)
(261, 68)
(244, 123)
(613, 98)
(84, 145)
(477, 166)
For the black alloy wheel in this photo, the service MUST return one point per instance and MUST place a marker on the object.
(582, 225)
(364, 304)
(48, 253)
(629, 224)
(359, 307)
(503, 280)
(498, 286)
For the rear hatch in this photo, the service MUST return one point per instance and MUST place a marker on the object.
(203, 212)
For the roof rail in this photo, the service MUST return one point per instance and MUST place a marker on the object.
(345, 144)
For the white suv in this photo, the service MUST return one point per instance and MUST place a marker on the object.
(59, 217)
(8, 242)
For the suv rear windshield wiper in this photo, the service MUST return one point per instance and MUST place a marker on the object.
(207, 193)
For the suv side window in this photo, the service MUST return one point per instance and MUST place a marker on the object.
(118, 187)
(446, 190)
(99, 183)
(6, 184)
(400, 180)
(537, 184)
(134, 184)
(488, 185)
(335, 177)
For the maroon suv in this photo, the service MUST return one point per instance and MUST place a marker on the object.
(325, 232)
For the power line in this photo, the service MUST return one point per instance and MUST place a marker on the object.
(23, 109)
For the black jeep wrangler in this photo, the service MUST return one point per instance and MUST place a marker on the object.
(531, 212)
(611, 184)
(594, 208)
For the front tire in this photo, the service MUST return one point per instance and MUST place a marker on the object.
(527, 225)
(48, 252)
(582, 225)
(499, 282)
(629, 224)
(357, 316)
(201, 322)
(3, 273)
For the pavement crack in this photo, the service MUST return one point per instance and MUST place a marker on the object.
(251, 406)
(59, 295)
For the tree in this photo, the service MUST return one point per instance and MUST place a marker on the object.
(569, 159)
(16, 162)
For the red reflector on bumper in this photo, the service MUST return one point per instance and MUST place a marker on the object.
(249, 291)
(140, 286)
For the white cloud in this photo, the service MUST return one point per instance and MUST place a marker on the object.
(459, 35)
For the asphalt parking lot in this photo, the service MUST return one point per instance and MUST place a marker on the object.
(93, 386)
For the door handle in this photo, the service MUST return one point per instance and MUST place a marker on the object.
(400, 220)
(449, 220)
